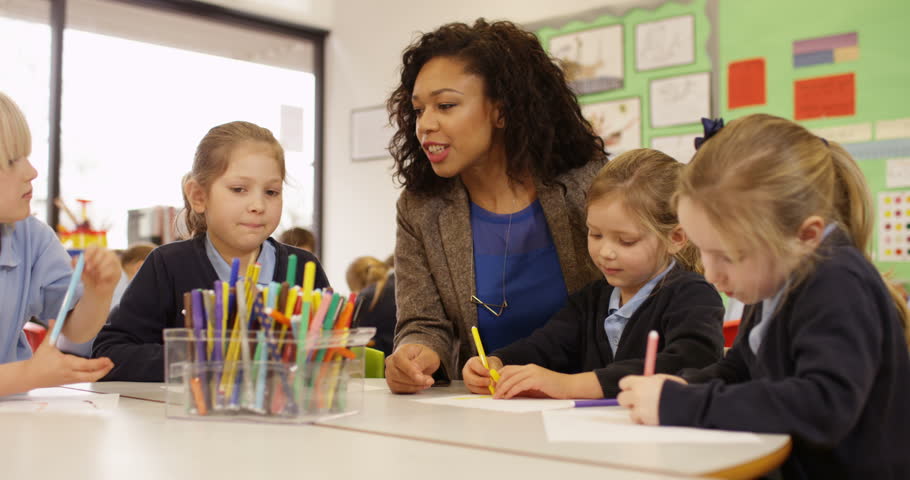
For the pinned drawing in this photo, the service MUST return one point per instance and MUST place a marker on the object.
(681, 100)
(665, 43)
(592, 59)
(618, 122)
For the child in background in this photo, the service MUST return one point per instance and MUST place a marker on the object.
(377, 304)
(300, 238)
(783, 219)
(233, 203)
(130, 261)
(35, 273)
(650, 283)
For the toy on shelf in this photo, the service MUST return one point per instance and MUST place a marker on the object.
(83, 234)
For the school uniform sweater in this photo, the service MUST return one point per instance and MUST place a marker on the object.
(832, 370)
(685, 310)
(153, 301)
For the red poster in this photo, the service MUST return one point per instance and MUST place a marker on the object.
(746, 83)
(833, 96)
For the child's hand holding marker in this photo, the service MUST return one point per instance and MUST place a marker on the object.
(477, 376)
(494, 375)
(102, 271)
(641, 394)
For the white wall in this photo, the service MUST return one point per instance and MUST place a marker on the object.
(312, 13)
(363, 55)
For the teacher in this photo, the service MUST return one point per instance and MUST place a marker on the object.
(495, 157)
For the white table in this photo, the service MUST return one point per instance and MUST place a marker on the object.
(136, 441)
(524, 434)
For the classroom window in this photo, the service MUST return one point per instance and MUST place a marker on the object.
(25, 51)
(143, 86)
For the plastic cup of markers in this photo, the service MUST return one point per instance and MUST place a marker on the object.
(282, 380)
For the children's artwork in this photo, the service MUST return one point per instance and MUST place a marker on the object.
(665, 43)
(681, 100)
(897, 173)
(854, 133)
(618, 122)
(746, 83)
(894, 226)
(613, 425)
(512, 405)
(831, 96)
(60, 402)
(830, 49)
(890, 129)
(680, 147)
(592, 59)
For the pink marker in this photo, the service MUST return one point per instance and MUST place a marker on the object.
(651, 353)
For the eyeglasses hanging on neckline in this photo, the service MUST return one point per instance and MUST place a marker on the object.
(490, 306)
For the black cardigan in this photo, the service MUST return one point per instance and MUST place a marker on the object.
(833, 371)
(685, 310)
(153, 301)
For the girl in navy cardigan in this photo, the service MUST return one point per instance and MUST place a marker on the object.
(233, 203)
(783, 219)
(649, 284)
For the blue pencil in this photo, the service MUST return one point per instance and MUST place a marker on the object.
(68, 299)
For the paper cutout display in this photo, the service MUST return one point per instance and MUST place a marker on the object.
(681, 100)
(665, 43)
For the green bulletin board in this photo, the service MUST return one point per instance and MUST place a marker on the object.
(636, 83)
(767, 29)
(749, 29)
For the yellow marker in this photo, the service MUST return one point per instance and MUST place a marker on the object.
(483, 359)
(309, 280)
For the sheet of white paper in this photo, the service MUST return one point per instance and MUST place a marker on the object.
(680, 147)
(613, 425)
(513, 405)
(889, 129)
(374, 388)
(860, 132)
(897, 173)
(45, 402)
(664, 43)
(681, 100)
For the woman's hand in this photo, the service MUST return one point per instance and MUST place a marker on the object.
(410, 368)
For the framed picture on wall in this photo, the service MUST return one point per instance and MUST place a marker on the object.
(618, 122)
(680, 100)
(370, 133)
(592, 59)
(665, 43)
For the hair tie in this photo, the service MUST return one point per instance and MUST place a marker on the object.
(826, 142)
(711, 128)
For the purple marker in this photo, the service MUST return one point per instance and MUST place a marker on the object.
(602, 402)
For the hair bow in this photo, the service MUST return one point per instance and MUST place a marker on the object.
(712, 126)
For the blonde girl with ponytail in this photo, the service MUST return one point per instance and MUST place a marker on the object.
(783, 221)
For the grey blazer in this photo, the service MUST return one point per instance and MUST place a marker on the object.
(434, 262)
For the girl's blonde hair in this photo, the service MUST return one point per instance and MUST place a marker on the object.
(365, 271)
(645, 180)
(15, 136)
(211, 161)
(760, 177)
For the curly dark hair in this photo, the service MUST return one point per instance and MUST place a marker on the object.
(545, 132)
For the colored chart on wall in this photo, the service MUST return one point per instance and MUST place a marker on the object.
(894, 226)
